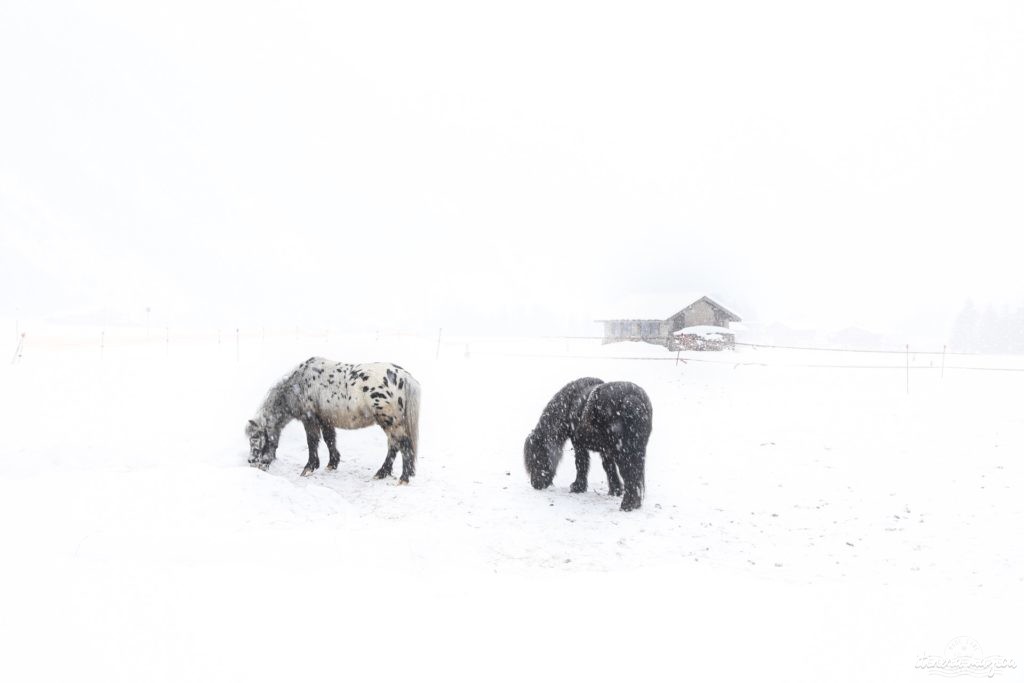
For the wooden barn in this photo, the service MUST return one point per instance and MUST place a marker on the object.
(701, 313)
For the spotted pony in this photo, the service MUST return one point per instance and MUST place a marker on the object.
(325, 395)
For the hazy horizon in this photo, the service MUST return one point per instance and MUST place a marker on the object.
(403, 165)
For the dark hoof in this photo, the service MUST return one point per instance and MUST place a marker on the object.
(403, 481)
(382, 474)
(578, 487)
(628, 505)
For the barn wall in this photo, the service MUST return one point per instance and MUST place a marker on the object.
(702, 313)
(676, 322)
(653, 331)
(609, 332)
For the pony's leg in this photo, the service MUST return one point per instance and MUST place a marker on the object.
(408, 461)
(614, 482)
(582, 469)
(389, 461)
(313, 441)
(329, 439)
(631, 464)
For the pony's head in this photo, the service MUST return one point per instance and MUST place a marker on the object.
(261, 446)
(541, 458)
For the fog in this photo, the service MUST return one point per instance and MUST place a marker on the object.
(516, 168)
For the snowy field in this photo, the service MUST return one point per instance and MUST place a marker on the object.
(876, 524)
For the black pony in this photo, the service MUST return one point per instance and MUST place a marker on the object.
(612, 418)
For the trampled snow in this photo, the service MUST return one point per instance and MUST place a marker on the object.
(806, 518)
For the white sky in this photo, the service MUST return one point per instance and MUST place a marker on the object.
(416, 164)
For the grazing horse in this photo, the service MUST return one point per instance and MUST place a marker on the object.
(324, 396)
(612, 418)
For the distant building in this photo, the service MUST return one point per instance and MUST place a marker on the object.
(702, 313)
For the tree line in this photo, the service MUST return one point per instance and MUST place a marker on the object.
(988, 330)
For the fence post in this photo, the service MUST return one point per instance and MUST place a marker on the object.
(437, 355)
(908, 368)
(17, 349)
(677, 356)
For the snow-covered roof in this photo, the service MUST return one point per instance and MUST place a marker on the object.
(655, 307)
(705, 330)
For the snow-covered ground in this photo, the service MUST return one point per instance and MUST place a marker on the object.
(801, 522)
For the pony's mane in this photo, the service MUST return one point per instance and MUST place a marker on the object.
(272, 409)
(553, 424)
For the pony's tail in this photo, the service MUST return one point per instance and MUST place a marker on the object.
(639, 406)
(412, 414)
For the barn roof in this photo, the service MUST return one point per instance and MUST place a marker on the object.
(732, 316)
(660, 307)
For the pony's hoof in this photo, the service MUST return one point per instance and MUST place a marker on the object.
(381, 474)
(629, 505)
(263, 466)
(330, 468)
(577, 487)
(404, 481)
(307, 471)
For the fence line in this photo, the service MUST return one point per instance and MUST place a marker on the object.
(842, 350)
(131, 336)
(751, 345)
(143, 335)
(738, 364)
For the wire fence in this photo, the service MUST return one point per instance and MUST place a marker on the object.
(238, 340)
(944, 352)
